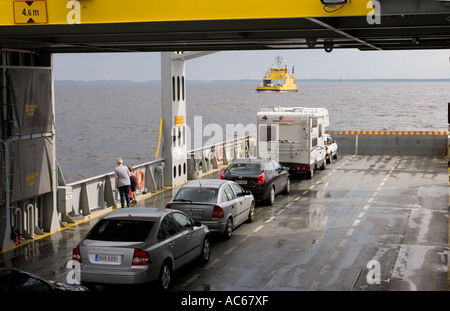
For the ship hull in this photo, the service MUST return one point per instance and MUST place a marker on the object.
(275, 89)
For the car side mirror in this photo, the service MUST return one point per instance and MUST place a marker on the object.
(248, 192)
(197, 224)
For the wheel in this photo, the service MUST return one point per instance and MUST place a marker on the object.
(228, 229)
(336, 155)
(288, 186)
(271, 197)
(206, 250)
(251, 213)
(324, 165)
(310, 174)
(165, 276)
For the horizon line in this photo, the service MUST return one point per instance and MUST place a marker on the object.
(257, 80)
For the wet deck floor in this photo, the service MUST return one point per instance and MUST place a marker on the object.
(365, 223)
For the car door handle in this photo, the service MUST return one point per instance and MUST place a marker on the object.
(171, 244)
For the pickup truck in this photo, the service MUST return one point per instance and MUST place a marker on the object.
(331, 148)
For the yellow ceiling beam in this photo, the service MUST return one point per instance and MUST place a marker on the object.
(60, 12)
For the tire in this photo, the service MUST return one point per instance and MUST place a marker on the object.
(310, 174)
(228, 229)
(251, 213)
(288, 186)
(324, 165)
(165, 276)
(271, 197)
(336, 155)
(206, 250)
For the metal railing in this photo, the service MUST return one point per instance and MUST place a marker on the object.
(83, 197)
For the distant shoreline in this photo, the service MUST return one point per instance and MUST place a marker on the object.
(249, 80)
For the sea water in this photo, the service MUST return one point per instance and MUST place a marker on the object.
(96, 122)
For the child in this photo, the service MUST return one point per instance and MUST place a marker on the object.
(133, 183)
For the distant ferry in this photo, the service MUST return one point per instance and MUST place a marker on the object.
(278, 78)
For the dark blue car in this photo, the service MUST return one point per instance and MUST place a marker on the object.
(265, 178)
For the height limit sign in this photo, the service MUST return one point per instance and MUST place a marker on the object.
(30, 12)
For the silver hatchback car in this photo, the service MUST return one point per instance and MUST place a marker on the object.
(139, 245)
(222, 205)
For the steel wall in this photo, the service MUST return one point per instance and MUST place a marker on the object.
(392, 143)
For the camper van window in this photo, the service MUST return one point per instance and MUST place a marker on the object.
(314, 122)
(320, 130)
(314, 142)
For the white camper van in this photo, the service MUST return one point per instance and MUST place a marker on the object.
(294, 136)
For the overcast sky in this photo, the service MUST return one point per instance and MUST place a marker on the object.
(231, 65)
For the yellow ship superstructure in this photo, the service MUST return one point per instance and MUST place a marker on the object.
(278, 78)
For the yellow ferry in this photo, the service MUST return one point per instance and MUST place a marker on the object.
(278, 78)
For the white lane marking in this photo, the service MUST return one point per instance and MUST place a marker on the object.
(270, 219)
(343, 242)
(230, 250)
(350, 232)
(259, 228)
(314, 285)
(334, 255)
(191, 280)
(212, 263)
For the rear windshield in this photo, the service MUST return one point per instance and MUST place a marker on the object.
(207, 195)
(246, 168)
(121, 230)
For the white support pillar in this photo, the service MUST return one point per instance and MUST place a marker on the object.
(173, 109)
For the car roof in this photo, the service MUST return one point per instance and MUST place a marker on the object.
(250, 160)
(133, 212)
(215, 183)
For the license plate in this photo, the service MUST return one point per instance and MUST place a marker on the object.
(242, 182)
(194, 214)
(107, 258)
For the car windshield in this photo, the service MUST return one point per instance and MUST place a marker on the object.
(121, 230)
(190, 194)
(246, 168)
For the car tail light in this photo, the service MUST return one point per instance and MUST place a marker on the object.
(222, 175)
(326, 147)
(304, 168)
(168, 206)
(76, 255)
(217, 212)
(140, 258)
(261, 179)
